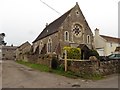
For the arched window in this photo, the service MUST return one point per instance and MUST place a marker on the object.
(88, 39)
(49, 45)
(40, 46)
(66, 36)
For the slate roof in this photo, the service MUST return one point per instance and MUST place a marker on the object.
(24, 45)
(83, 47)
(9, 47)
(111, 39)
(52, 27)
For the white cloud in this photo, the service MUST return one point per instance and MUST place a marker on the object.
(23, 20)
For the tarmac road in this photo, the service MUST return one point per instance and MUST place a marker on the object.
(15, 75)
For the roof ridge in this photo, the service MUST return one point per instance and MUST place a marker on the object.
(24, 44)
(110, 36)
(61, 16)
(111, 39)
(53, 26)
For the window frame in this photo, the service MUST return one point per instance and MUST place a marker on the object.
(40, 46)
(49, 45)
(88, 39)
(66, 36)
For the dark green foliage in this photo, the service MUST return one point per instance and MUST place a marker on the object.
(69, 63)
(54, 62)
(61, 67)
(93, 53)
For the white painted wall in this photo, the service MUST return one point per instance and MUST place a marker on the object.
(103, 47)
(110, 48)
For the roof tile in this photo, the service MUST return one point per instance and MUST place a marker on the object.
(111, 39)
(52, 27)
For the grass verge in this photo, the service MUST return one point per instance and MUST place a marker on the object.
(60, 71)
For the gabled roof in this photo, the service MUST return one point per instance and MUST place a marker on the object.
(53, 27)
(9, 47)
(83, 47)
(111, 39)
(24, 45)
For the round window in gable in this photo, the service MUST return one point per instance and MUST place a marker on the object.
(77, 30)
(77, 12)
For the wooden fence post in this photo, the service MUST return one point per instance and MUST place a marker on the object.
(65, 60)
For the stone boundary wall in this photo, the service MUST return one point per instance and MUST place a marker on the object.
(109, 67)
(38, 59)
(89, 67)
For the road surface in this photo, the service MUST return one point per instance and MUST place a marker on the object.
(15, 75)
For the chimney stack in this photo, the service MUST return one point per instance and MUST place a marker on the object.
(76, 3)
(46, 24)
(97, 31)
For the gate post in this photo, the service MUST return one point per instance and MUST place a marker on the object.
(65, 60)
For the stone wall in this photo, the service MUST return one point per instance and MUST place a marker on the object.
(39, 59)
(88, 67)
(109, 67)
(23, 49)
(44, 41)
(8, 52)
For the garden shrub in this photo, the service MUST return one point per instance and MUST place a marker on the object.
(61, 67)
(73, 53)
(93, 53)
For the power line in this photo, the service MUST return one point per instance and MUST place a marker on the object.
(50, 7)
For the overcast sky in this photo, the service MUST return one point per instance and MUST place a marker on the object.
(23, 20)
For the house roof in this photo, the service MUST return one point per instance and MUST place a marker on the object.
(111, 39)
(52, 27)
(83, 47)
(24, 45)
(9, 47)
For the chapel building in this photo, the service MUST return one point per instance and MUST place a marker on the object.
(70, 29)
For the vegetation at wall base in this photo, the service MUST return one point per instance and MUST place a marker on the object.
(60, 71)
(40, 67)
